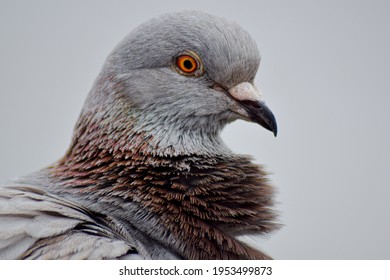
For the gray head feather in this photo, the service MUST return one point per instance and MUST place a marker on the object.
(184, 115)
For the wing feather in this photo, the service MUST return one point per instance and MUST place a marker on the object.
(35, 224)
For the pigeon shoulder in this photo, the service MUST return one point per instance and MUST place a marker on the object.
(35, 224)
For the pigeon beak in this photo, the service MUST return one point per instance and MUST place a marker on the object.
(251, 99)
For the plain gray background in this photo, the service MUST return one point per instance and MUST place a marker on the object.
(324, 73)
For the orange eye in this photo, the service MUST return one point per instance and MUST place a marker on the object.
(187, 64)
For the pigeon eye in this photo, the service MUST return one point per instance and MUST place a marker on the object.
(188, 64)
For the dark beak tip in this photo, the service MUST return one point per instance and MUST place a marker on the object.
(275, 128)
(271, 127)
(268, 121)
(269, 124)
(261, 114)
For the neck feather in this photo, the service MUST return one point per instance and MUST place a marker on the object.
(202, 202)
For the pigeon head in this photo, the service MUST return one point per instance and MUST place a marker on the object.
(176, 80)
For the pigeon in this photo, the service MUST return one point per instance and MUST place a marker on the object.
(147, 175)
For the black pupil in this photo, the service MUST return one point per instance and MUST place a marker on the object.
(188, 64)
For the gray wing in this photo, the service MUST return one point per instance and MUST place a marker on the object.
(35, 224)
